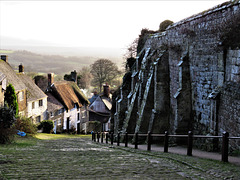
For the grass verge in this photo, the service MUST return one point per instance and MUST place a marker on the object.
(22, 142)
(44, 136)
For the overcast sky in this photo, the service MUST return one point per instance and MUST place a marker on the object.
(91, 23)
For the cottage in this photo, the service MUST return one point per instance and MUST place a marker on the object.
(55, 112)
(36, 98)
(72, 99)
(20, 87)
(100, 108)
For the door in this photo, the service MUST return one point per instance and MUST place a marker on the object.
(68, 122)
(78, 128)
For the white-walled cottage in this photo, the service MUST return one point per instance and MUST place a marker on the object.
(36, 98)
(73, 100)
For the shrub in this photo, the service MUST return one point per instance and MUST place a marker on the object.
(7, 118)
(94, 126)
(72, 130)
(25, 124)
(11, 98)
(163, 25)
(46, 125)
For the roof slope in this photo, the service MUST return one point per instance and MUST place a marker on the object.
(53, 104)
(12, 78)
(99, 106)
(2, 76)
(83, 99)
(107, 103)
(33, 91)
(64, 92)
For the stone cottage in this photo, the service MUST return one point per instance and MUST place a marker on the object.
(186, 78)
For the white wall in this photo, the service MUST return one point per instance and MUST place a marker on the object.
(38, 110)
(73, 114)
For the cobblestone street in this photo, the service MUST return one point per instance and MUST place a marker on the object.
(80, 158)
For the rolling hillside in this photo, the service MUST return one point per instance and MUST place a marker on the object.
(58, 64)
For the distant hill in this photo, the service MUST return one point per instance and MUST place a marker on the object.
(68, 59)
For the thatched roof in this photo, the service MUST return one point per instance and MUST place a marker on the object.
(64, 92)
(34, 93)
(83, 99)
(12, 78)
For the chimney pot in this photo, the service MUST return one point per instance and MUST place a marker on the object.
(106, 90)
(50, 79)
(74, 76)
(21, 68)
(4, 58)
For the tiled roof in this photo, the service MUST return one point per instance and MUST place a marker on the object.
(12, 78)
(100, 105)
(107, 103)
(33, 91)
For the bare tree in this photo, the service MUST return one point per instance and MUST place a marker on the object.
(104, 71)
(132, 50)
(85, 77)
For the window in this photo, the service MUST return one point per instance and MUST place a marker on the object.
(51, 114)
(83, 112)
(38, 119)
(40, 103)
(33, 105)
(21, 96)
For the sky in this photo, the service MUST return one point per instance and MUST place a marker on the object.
(99, 23)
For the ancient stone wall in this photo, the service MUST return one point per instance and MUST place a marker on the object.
(195, 71)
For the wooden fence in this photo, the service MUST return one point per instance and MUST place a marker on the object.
(110, 136)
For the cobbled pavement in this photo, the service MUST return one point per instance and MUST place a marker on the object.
(80, 158)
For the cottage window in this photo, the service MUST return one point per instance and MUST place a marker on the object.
(83, 113)
(21, 96)
(40, 103)
(51, 114)
(33, 105)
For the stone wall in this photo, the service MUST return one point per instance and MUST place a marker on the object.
(195, 65)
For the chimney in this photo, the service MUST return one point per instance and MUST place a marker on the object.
(106, 90)
(50, 79)
(4, 58)
(74, 76)
(21, 68)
